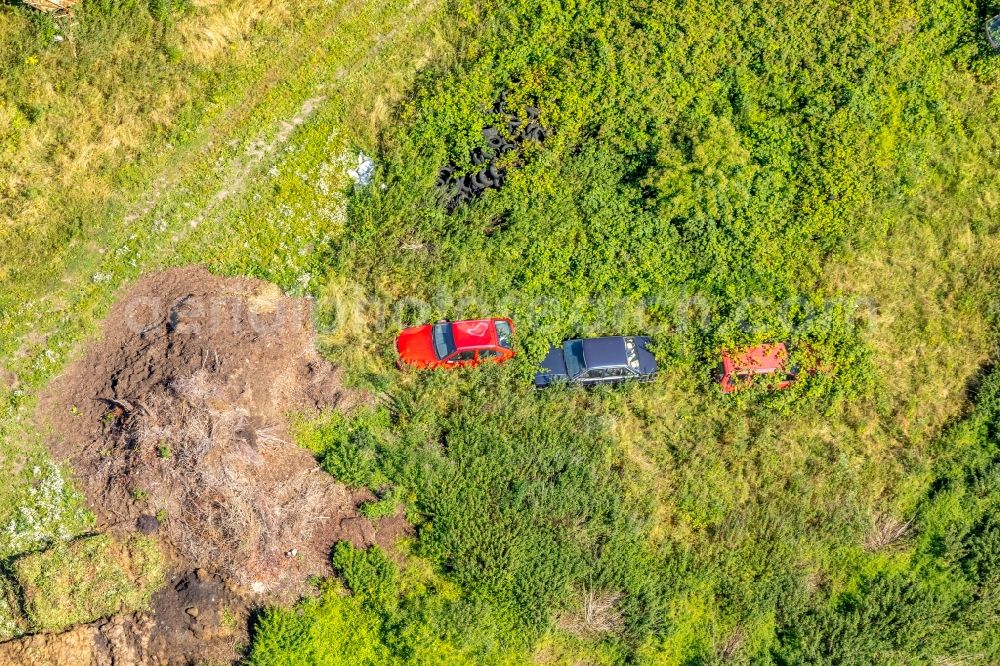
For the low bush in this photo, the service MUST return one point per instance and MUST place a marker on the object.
(389, 616)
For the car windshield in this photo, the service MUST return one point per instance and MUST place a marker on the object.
(504, 334)
(444, 343)
(574, 357)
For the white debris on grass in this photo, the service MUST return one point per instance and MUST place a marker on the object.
(46, 514)
(362, 175)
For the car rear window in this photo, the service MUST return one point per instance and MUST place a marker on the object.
(444, 342)
(574, 357)
(632, 353)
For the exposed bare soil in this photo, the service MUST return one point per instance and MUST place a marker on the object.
(196, 615)
(195, 619)
(175, 423)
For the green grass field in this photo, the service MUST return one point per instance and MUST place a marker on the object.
(716, 174)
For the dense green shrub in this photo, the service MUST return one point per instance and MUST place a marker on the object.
(945, 603)
(517, 509)
(387, 617)
(328, 630)
(370, 574)
(706, 164)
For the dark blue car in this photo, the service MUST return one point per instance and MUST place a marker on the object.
(598, 361)
(993, 32)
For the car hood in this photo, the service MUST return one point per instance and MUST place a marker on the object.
(553, 366)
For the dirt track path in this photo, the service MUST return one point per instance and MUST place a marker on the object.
(197, 182)
(173, 179)
(237, 115)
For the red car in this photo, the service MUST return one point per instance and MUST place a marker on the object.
(764, 364)
(456, 343)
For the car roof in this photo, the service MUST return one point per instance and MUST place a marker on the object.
(474, 333)
(762, 358)
(604, 352)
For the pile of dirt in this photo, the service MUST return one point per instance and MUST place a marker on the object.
(198, 618)
(175, 424)
(75, 646)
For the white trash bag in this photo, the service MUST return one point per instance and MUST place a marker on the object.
(362, 175)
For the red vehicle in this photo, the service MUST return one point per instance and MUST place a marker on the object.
(456, 343)
(763, 364)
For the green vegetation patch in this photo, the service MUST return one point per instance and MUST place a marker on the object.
(705, 185)
(86, 579)
(325, 631)
(389, 615)
(40, 507)
(944, 601)
(521, 513)
(11, 620)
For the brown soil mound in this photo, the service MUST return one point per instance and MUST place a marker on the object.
(197, 619)
(175, 424)
(123, 639)
(75, 646)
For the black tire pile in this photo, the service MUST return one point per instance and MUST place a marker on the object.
(461, 189)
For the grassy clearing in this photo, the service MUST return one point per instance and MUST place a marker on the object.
(821, 174)
(716, 174)
(106, 182)
(87, 579)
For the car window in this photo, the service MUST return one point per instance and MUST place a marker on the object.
(488, 353)
(462, 356)
(444, 342)
(603, 373)
(505, 336)
(574, 357)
